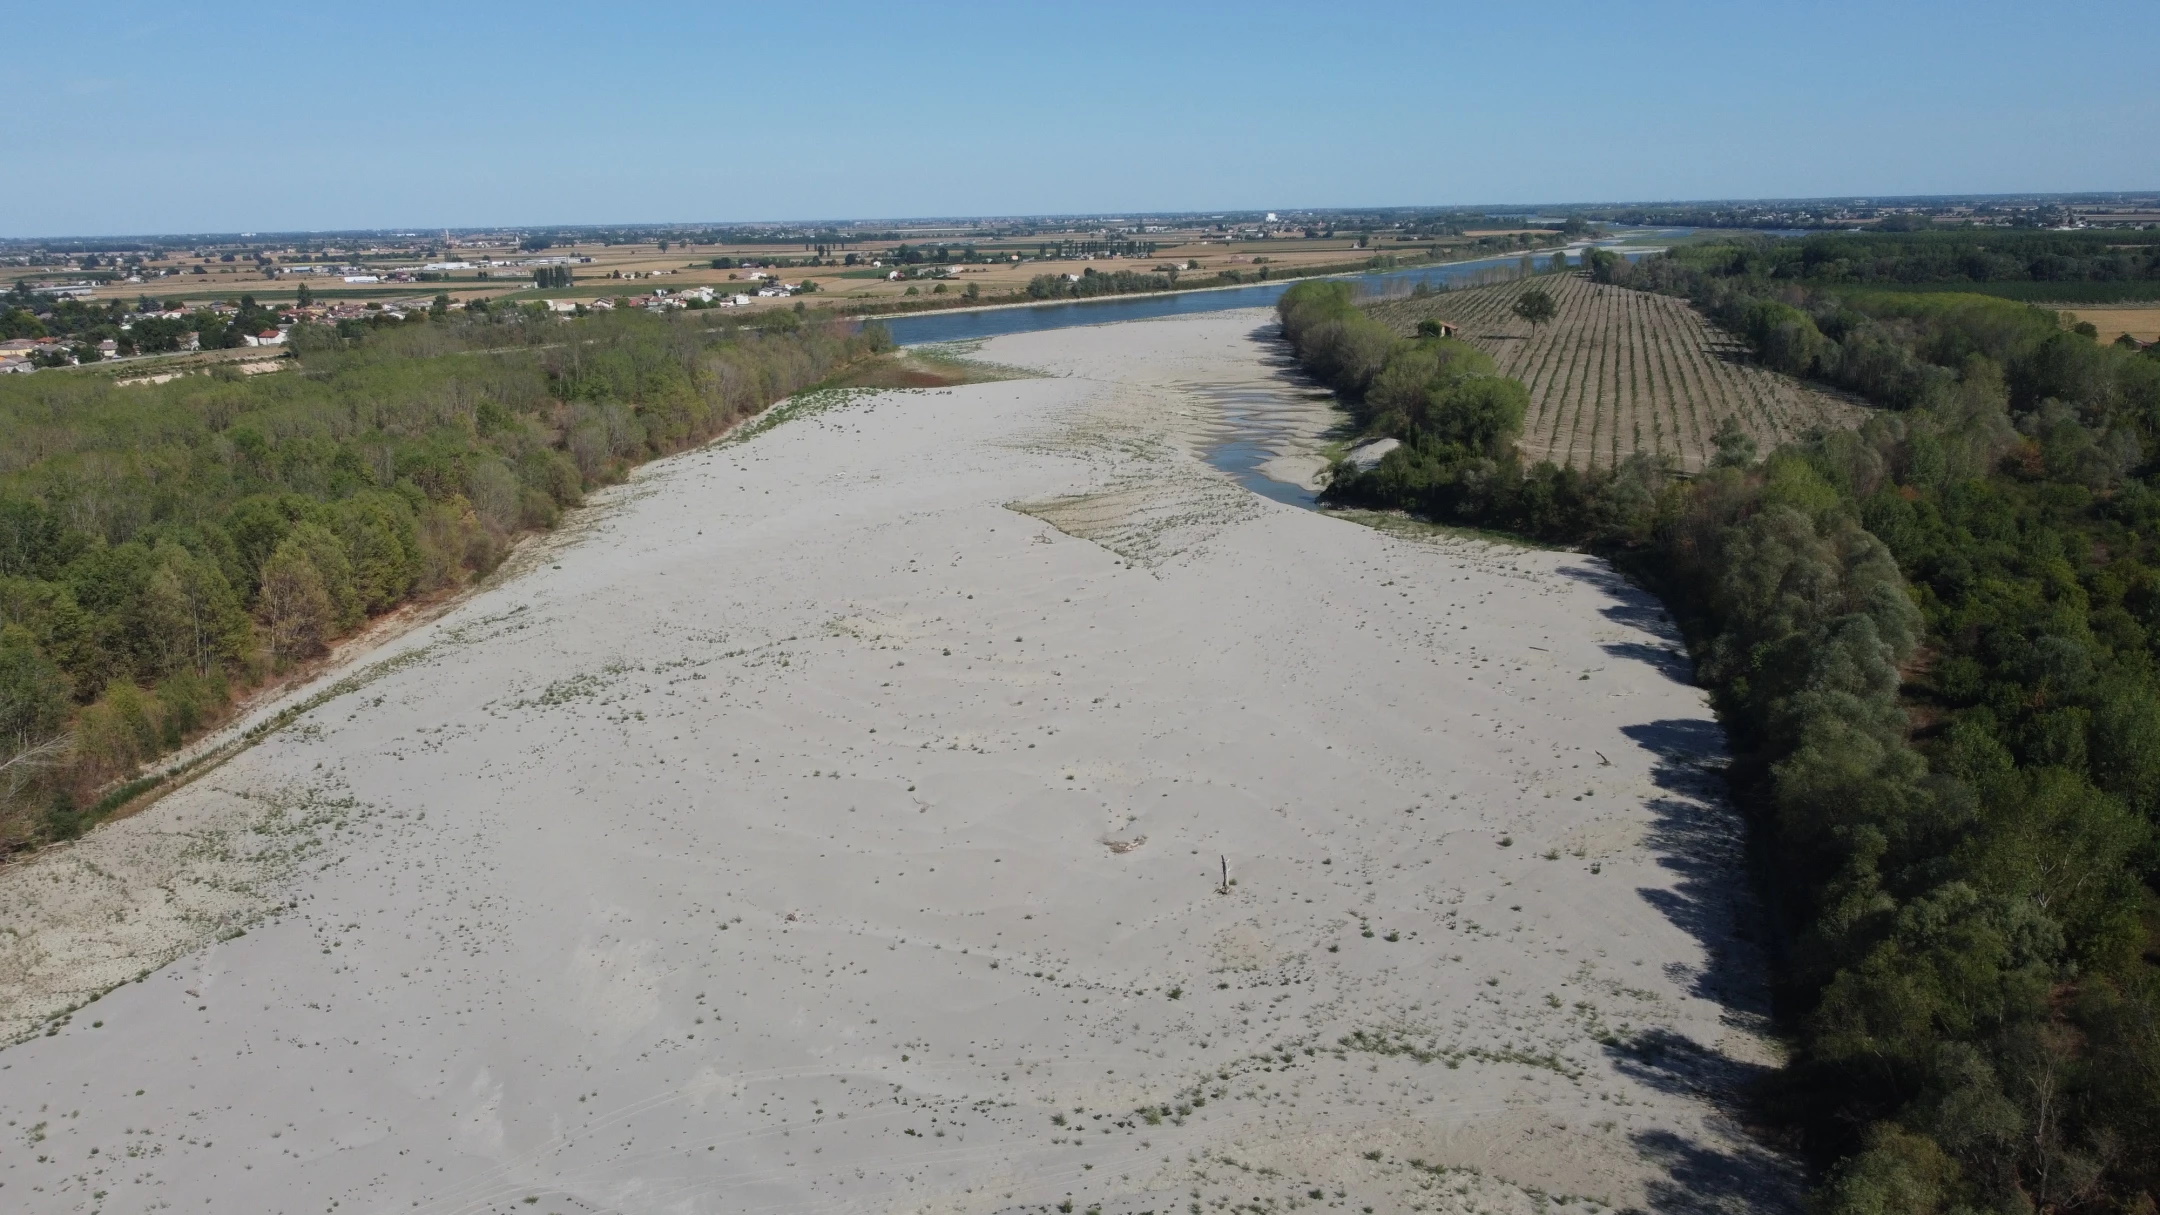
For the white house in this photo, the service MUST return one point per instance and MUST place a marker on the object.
(268, 337)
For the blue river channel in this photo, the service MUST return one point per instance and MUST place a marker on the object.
(1029, 318)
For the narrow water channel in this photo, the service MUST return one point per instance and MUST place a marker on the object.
(1273, 429)
(1257, 432)
(1271, 432)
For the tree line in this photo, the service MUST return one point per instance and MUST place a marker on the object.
(1089, 284)
(1935, 644)
(164, 547)
(1959, 255)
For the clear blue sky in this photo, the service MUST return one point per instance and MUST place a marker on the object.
(136, 118)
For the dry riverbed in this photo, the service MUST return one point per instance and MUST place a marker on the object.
(837, 820)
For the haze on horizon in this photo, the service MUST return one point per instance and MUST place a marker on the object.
(155, 119)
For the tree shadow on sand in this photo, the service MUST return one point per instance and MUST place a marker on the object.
(1633, 607)
(1699, 1180)
(1282, 364)
(1699, 840)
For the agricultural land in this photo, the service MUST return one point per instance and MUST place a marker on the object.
(1622, 371)
(2141, 324)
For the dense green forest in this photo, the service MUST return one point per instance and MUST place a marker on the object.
(1935, 643)
(163, 547)
(2086, 266)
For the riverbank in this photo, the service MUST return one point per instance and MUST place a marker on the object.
(1263, 273)
(843, 819)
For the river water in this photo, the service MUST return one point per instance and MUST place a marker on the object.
(1029, 318)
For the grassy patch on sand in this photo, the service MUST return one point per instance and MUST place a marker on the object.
(942, 366)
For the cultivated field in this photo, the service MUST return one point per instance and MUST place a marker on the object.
(636, 269)
(1623, 371)
(2140, 323)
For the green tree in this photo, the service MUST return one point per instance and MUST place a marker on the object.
(120, 730)
(294, 607)
(33, 712)
(332, 562)
(1536, 306)
(381, 536)
(1898, 1173)
(1735, 446)
(1483, 414)
(19, 322)
(191, 614)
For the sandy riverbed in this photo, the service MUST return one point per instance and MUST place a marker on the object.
(835, 821)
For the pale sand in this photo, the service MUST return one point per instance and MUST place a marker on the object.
(822, 823)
